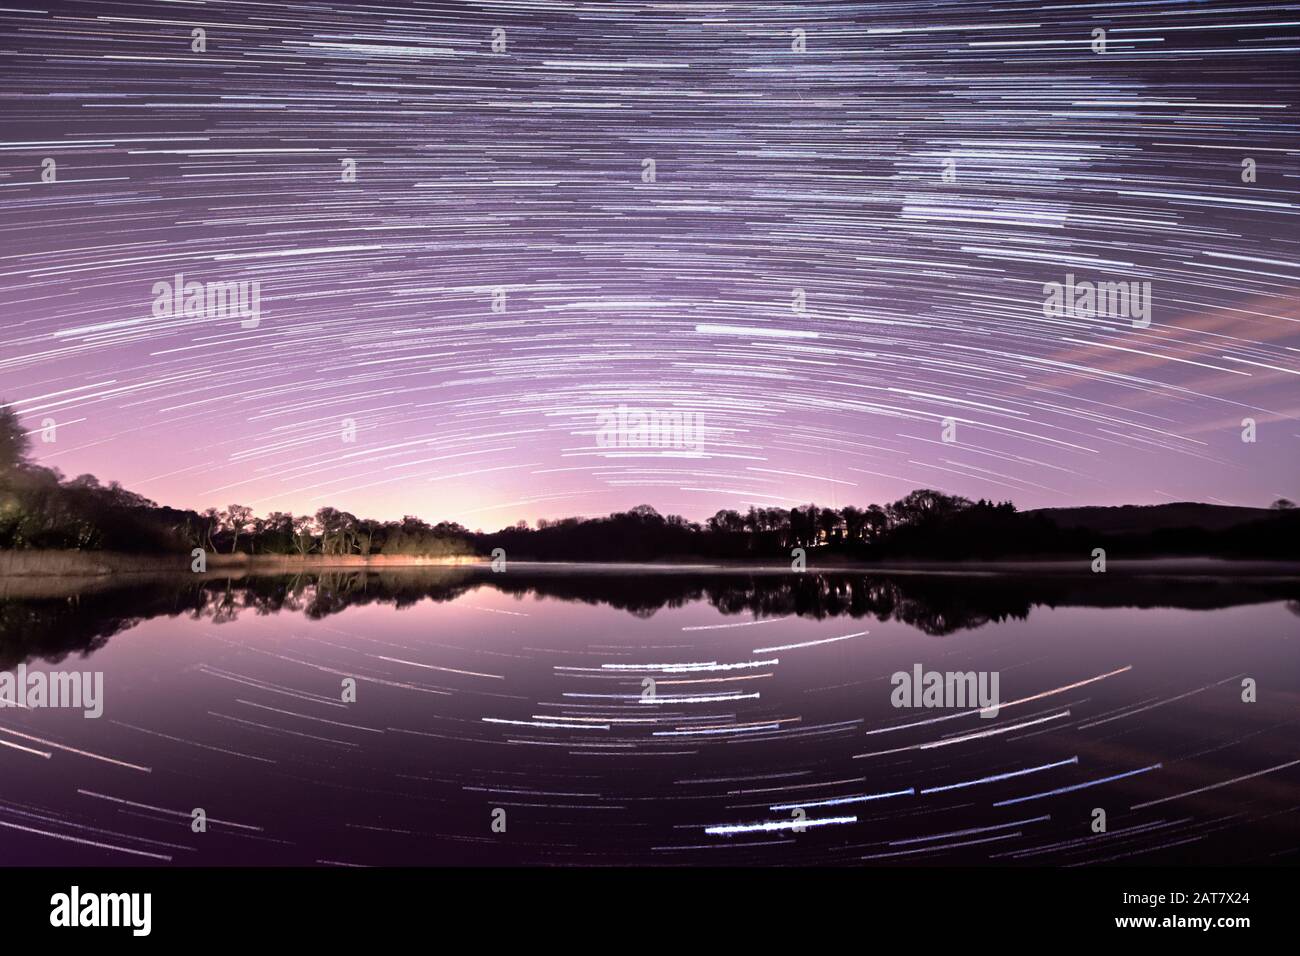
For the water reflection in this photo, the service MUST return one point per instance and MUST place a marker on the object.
(47, 620)
(525, 693)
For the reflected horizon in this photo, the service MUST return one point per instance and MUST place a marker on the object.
(48, 619)
(525, 693)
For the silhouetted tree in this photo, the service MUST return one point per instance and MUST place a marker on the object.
(304, 538)
(236, 519)
(828, 521)
(855, 520)
(14, 442)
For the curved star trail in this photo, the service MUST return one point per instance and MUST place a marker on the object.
(458, 717)
(919, 170)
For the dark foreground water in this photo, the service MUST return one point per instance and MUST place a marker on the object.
(522, 698)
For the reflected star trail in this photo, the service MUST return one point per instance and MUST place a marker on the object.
(825, 228)
(233, 707)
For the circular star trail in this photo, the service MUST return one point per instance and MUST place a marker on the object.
(826, 229)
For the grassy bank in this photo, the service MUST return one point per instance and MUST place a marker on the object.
(95, 563)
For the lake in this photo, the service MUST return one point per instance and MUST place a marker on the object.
(654, 717)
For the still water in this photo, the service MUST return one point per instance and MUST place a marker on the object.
(637, 716)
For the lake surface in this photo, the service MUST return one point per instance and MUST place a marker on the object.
(522, 698)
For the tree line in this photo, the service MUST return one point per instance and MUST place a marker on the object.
(772, 533)
(40, 509)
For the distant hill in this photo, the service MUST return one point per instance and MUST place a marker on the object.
(1143, 519)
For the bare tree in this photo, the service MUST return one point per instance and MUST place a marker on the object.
(211, 525)
(303, 533)
(236, 519)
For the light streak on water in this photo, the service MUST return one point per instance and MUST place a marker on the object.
(1215, 786)
(1080, 786)
(1001, 776)
(772, 826)
(791, 647)
(838, 801)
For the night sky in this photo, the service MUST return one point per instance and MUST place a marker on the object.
(919, 170)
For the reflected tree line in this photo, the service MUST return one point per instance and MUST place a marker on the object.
(56, 625)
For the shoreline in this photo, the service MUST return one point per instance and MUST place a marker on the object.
(89, 564)
(1116, 567)
(107, 564)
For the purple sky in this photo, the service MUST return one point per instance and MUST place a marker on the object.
(919, 170)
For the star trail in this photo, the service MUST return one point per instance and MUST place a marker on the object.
(730, 758)
(823, 228)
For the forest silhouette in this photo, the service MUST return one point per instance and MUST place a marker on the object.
(42, 510)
